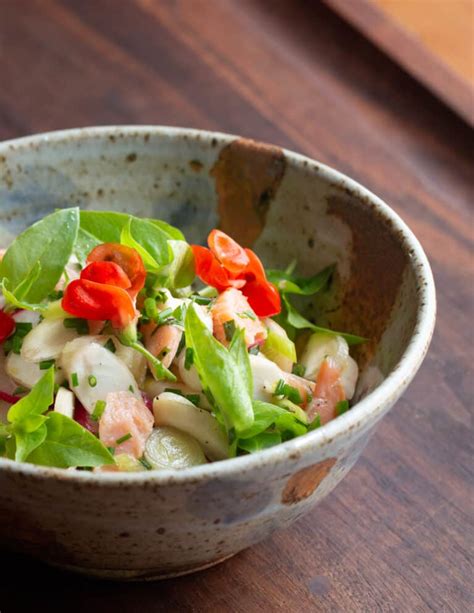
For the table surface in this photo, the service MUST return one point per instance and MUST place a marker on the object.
(394, 535)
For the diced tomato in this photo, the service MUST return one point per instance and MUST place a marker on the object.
(262, 295)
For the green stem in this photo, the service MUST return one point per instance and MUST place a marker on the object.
(128, 337)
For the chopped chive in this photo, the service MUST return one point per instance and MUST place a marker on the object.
(56, 295)
(45, 364)
(124, 438)
(247, 315)
(110, 345)
(201, 299)
(17, 342)
(182, 343)
(316, 423)
(194, 398)
(298, 369)
(160, 296)
(189, 358)
(255, 350)
(20, 390)
(288, 391)
(229, 329)
(172, 390)
(98, 410)
(163, 316)
(144, 462)
(74, 379)
(92, 380)
(150, 309)
(131, 389)
(280, 388)
(341, 407)
(23, 327)
(111, 450)
(76, 323)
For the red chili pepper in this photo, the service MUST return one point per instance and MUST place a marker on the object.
(211, 271)
(127, 258)
(96, 301)
(106, 272)
(262, 295)
(7, 325)
(227, 264)
(229, 253)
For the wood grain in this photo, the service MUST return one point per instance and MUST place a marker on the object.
(396, 533)
(432, 39)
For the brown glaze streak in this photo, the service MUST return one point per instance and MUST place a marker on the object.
(247, 175)
(303, 483)
(370, 293)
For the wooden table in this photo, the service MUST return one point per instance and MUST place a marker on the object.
(394, 536)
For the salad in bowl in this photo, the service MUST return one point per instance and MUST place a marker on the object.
(127, 349)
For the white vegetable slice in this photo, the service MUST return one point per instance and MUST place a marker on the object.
(27, 373)
(154, 388)
(46, 341)
(169, 448)
(321, 346)
(173, 410)
(91, 359)
(64, 402)
(189, 376)
(134, 361)
(266, 375)
(27, 317)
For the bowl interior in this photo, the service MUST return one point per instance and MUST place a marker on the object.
(284, 205)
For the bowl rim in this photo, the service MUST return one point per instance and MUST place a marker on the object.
(367, 411)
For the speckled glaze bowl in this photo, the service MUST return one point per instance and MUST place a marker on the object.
(158, 524)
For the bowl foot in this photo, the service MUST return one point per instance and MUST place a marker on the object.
(136, 575)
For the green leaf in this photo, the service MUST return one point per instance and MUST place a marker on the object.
(84, 244)
(282, 420)
(289, 283)
(39, 399)
(48, 243)
(69, 444)
(220, 373)
(264, 440)
(13, 300)
(105, 226)
(296, 320)
(238, 350)
(180, 272)
(26, 442)
(172, 232)
(150, 242)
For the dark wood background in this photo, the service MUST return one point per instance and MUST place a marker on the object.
(395, 535)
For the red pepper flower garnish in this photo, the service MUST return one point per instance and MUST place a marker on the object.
(7, 325)
(105, 289)
(128, 259)
(227, 264)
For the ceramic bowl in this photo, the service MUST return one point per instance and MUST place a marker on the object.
(164, 523)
